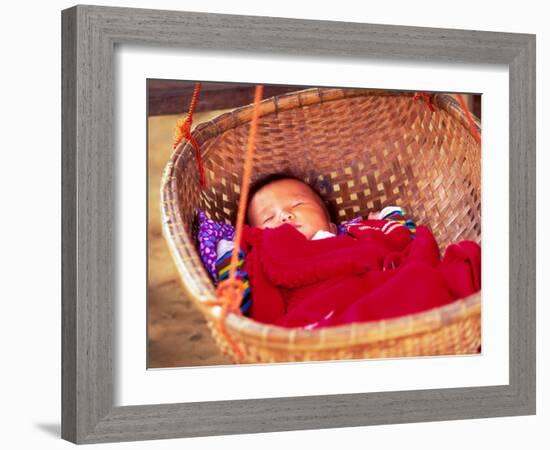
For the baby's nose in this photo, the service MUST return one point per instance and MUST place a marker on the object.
(286, 216)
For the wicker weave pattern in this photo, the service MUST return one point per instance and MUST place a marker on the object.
(363, 150)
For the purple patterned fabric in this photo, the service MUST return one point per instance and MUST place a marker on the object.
(342, 227)
(209, 234)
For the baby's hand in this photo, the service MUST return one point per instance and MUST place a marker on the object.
(374, 216)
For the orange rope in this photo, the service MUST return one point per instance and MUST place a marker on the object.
(230, 291)
(183, 131)
(466, 110)
(245, 184)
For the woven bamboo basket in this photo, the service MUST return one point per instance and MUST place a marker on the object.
(363, 150)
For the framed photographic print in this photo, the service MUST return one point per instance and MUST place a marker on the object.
(382, 163)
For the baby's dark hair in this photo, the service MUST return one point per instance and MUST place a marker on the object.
(277, 176)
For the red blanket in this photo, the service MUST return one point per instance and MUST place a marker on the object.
(372, 273)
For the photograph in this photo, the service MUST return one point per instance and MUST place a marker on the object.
(294, 224)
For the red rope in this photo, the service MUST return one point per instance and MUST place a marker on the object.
(426, 97)
(466, 110)
(183, 131)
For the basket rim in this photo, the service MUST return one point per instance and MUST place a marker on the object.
(358, 333)
(305, 97)
(272, 335)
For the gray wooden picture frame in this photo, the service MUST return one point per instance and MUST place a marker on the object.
(90, 34)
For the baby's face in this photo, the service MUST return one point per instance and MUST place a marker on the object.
(289, 201)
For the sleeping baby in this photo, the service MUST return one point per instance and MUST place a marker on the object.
(304, 271)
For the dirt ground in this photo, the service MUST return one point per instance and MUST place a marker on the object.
(177, 333)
